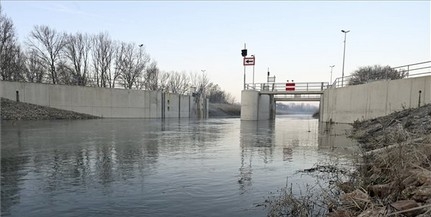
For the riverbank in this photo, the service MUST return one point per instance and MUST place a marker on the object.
(12, 110)
(218, 110)
(391, 177)
(394, 177)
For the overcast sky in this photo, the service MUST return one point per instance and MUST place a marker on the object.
(296, 40)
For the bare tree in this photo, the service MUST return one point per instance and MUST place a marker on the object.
(103, 52)
(151, 77)
(132, 63)
(163, 82)
(178, 82)
(47, 44)
(201, 82)
(11, 57)
(35, 69)
(77, 50)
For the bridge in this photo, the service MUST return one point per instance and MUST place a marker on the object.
(291, 91)
(376, 96)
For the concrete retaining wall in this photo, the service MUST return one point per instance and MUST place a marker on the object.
(255, 106)
(103, 102)
(367, 101)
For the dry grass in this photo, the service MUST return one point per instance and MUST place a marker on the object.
(392, 176)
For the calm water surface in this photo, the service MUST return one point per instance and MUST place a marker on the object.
(125, 167)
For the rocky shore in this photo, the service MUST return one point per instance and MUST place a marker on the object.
(12, 110)
(391, 176)
(394, 176)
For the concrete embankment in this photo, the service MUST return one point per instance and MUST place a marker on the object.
(12, 110)
(107, 102)
(375, 99)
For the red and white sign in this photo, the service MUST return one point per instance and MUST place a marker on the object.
(290, 86)
(248, 61)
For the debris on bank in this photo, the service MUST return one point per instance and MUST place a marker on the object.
(12, 110)
(392, 176)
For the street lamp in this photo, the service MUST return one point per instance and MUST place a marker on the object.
(330, 81)
(344, 55)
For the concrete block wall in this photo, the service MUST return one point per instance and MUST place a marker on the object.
(367, 101)
(255, 106)
(103, 102)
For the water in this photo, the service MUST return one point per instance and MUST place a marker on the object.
(136, 167)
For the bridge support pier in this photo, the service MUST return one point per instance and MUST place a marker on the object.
(255, 106)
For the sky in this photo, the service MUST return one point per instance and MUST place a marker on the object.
(296, 40)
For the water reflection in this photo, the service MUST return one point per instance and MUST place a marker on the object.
(335, 137)
(255, 136)
(63, 155)
(216, 167)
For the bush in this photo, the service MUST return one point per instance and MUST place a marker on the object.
(373, 73)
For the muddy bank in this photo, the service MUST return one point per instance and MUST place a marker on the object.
(12, 110)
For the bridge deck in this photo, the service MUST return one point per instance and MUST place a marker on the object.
(290, 91)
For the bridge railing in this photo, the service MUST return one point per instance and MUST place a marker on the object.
(410, 70)
(281, 87)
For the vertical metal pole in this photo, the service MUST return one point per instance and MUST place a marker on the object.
(253, 75)
(344, 57)
(253, 70)
(419, 101)
(244, 77)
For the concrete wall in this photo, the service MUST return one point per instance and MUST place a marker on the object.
(255, 106)
(103, 102)
(367, 101)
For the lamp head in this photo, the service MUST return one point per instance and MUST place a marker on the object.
(345, 31)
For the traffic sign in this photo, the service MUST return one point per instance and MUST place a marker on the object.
(248, 61)
(290, 86)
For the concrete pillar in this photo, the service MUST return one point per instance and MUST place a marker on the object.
(272, 108)
(264, 107)
(249, 105)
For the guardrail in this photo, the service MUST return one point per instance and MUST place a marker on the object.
(281, 87)
(411, 70)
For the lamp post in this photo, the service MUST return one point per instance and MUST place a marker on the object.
(330, 80)
(253, 72)
(344, 55)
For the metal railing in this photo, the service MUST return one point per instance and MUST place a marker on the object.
(410, 70)
(281, 87)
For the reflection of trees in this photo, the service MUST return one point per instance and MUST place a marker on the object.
(12, 166)
(69, 156)
(255, 136)
(182, 135)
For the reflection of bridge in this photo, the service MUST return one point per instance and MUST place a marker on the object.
(302, 91)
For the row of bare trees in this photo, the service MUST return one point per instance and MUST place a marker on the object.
(49, 56)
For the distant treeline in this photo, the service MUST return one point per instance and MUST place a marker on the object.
(296, 108)
(49, 56)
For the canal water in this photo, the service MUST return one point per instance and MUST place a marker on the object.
(138, 167)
